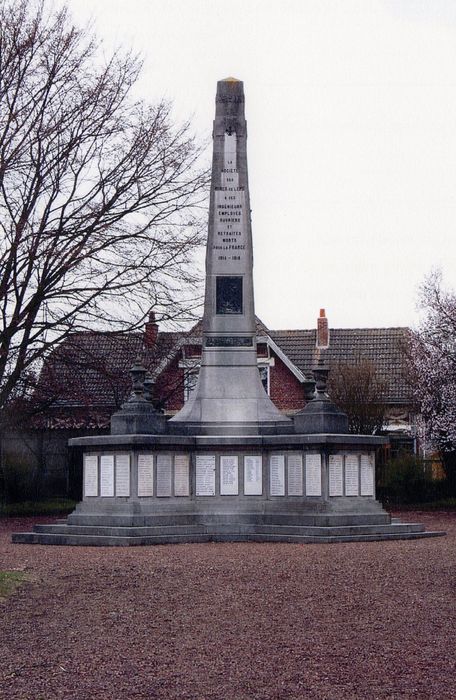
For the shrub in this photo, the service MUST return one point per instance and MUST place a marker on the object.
(17, 480)
(55, 506)
(405, 479)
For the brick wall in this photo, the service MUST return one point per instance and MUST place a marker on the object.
(285, 389)
(170, 386)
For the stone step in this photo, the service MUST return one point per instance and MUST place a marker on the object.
(104, 540)
(105, 530)
(127, 520)
(114, 536)
(218, 518)
(300, 519)
(340, 531)
(100, 540)
(209, 528)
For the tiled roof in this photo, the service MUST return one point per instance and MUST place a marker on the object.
(93, 368)
(90, 370)
(381, 346)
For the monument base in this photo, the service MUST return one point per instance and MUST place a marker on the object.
(162, 489)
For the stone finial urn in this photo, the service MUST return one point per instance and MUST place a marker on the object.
(138, 414)
(321, 415)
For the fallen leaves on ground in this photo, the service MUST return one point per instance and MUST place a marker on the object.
(232, 621)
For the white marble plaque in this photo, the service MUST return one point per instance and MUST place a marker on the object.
(90, 475)
(164, 463)
(367, 475)
(294, 475)
(145, 475)
(253, 475)
(229, 475)
(277, 475)
(122, 475)
(107, 475)
(313, 475)
(351, 475)
(336, 484)
(205, 475)
(181, 475)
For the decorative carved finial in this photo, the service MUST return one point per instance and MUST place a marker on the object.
(309, 389)
(321, 373)
(149, 388)
(149, 393)
(138, 375)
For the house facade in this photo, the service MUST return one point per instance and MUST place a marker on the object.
(86, 379)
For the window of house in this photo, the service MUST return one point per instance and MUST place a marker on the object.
(264, 376)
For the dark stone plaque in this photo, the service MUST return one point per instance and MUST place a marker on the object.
(228, 295)
(228, 341)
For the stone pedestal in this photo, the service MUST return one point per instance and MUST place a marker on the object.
(155, 489)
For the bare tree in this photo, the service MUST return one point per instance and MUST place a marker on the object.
(99, 193)
(357, 390)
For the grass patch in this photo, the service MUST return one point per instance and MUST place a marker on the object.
(54, 506)
(9, 581)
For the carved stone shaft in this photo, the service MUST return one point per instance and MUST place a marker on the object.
(229, 397)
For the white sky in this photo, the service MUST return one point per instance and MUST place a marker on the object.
(351, 111)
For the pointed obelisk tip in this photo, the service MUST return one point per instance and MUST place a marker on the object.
(230, 99)
(228, 86)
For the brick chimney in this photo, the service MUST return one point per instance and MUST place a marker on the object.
(150, 331)
(322, 331)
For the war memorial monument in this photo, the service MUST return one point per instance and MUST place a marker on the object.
(229, 466)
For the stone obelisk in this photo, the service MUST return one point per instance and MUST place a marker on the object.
(225, 468)
(229, 397)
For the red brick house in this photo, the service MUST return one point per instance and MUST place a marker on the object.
(86, 378)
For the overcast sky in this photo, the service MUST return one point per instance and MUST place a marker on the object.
(351, 111)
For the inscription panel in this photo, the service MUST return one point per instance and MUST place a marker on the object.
(367, 475)
(295, 483)
(90, 475)
(181, 475)
(253, 475)
(313, 475)
(229, 475)
(351, 475)
(277, 475)
(122, 475)
(225, 341)
(205, 475)
(230, 221)
(164, 463)
(146, 475)
(107, 475)
(336, 485)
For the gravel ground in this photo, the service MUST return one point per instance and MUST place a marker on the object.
(232, 621)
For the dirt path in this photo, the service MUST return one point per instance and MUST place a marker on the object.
(232, 621)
